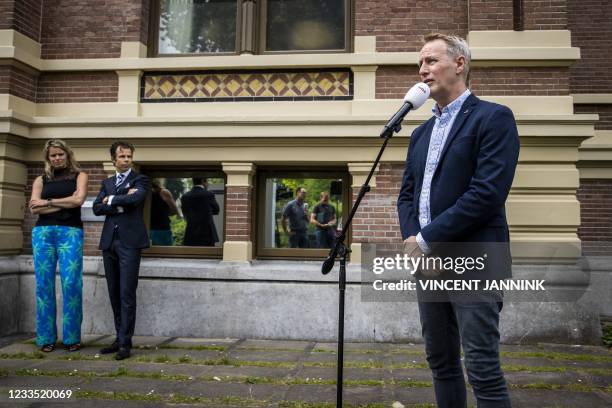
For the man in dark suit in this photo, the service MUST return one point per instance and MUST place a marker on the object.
(121, 200)
(458, 174)
(199, 206)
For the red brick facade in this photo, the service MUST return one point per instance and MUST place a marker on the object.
(604, 112)
(399, 25)
(545, 14)
(590, 22)
(376, 220)
(528, 81)
(596, 216)
(491, 15)
(18, 82)
(392, 82)
(238, 210)
(22, 16)
(92, 230)
(77, 87)
(81, 29)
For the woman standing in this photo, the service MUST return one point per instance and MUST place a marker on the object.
(57, 196)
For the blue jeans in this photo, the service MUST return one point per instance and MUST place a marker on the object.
(475, 326)
(325, 237)
(298, 240)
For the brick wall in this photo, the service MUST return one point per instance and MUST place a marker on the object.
(86, 29)
(491, 15)
(92, 230)
(77, 87)
(520, 81)
(238, 202)
(393, 82)
(22, 16)
(17, 82)
(590, 22)
(399, 25)
(595, 230)
(545, 14)
(604, 112)
(376, 221)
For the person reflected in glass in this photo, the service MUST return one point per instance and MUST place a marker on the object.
(162, 207)
(324, 218)
(199, 206)
(57, 197)
(296, 212)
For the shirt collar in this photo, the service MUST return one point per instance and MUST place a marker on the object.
(125, 174)
(452, 107)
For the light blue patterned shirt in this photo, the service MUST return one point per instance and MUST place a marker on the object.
(439, 134)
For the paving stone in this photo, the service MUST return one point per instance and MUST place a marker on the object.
(557, 378)
(326, 373)
(278, 344)
(196, 341)
(327, 393)
(276, 356)
(546, 398)
(379, 347)
(570, 365)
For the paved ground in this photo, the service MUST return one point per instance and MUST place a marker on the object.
(287, 374)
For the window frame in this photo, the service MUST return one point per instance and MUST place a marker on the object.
(253, 31)
(260, 252)
(262, 21)
(160, 251)
(154, 35)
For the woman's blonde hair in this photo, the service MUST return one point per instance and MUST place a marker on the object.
(71, 163)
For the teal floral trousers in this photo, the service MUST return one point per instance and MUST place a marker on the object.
(50, 245)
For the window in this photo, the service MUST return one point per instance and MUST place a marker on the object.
(299, 213)
(246, 26)
(185, 212)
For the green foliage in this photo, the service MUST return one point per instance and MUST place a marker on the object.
(606, 337)
(177, 225)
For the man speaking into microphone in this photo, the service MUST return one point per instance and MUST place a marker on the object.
(458, 174)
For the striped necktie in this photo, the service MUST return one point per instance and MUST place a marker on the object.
(120, 178)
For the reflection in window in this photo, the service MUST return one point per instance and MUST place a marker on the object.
(302, 213)
(197, 26)
(305, 25)
(187, 211)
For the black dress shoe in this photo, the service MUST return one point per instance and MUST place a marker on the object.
(123, 353)
(113, 348)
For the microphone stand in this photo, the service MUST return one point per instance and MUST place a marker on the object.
(341, 250)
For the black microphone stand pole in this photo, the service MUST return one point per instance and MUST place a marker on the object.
(340, 250)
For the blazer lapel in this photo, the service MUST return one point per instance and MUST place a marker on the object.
(110, 185)
(423, 147)
(467, 108)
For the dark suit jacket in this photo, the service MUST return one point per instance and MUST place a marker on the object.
(199, 206)
(130, 223)
(470, 185)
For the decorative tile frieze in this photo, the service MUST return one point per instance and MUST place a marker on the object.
(213, 86)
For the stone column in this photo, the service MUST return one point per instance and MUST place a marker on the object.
(13, 177)
(238, 245)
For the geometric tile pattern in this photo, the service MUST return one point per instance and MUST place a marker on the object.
(249, 85)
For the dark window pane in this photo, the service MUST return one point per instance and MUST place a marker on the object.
(187, 211)
(308, 218)
(305, 25)
(197, 26)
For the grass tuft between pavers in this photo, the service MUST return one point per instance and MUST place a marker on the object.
(556, 356)
(233, 401)
(171, 398)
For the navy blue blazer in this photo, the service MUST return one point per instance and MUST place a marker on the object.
(130, 223)
(471, 183)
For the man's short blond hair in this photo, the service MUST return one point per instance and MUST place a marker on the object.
(455, 47)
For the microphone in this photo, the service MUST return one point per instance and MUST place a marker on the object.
(414, 99)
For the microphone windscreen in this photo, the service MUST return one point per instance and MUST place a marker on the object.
(417, 95)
